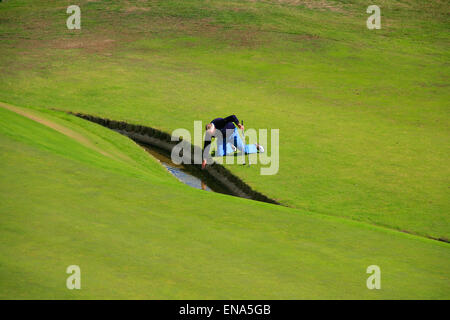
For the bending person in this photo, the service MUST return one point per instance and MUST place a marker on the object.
(225, 130)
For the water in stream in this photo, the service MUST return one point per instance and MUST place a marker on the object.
(178, 171)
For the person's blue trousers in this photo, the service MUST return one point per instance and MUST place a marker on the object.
(224, 145)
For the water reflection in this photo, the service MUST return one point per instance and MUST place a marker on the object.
(185, 177)
(178, 170)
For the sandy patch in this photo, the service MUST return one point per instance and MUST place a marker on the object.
(311, 4)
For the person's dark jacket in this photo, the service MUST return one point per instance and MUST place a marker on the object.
(221, 124)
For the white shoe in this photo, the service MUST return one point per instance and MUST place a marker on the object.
(260, 148)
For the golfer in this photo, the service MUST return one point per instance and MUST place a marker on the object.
(218, 128)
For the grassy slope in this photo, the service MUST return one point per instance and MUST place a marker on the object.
(138, 233)
(363, 115)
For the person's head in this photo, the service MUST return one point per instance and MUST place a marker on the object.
(210, 128)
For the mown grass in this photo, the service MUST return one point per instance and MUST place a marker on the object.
(362, 114)
(146, 236)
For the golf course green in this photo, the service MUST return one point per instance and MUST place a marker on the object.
(363, 178)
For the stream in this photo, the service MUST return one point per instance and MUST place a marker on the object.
(182, 173)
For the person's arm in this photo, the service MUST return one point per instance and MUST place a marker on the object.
(235, 120)
(206, 147)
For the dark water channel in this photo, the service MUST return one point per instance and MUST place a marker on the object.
(187, 174)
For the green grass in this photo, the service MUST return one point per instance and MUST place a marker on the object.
(363, 119)
(145, 236)
(363, 115)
